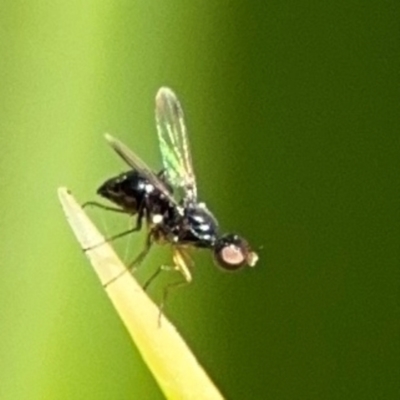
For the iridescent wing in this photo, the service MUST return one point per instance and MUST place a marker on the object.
(138, 164)
(174, 144)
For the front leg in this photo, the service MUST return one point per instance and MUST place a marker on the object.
(182, 263)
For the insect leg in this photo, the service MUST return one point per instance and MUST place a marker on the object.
(152, 277)
(102, 206)
(167, 289)
(185, 263)
(182, 264)
(141, 256)
(136, 228)
(137, 261)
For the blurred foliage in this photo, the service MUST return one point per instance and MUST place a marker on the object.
(293, 114)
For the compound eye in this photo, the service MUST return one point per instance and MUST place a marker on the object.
(231, 257)
(232, 252)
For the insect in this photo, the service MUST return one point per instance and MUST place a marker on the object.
(167, 201)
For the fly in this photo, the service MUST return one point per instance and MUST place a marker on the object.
(167, 201)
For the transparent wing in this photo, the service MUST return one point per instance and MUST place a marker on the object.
(174, 143)
(136, 163)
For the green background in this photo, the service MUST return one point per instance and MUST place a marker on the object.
(293, 110)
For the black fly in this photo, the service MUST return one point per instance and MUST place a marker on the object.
(167, 202)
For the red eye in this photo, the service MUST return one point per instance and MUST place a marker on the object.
(231, 252)
(231, 257)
